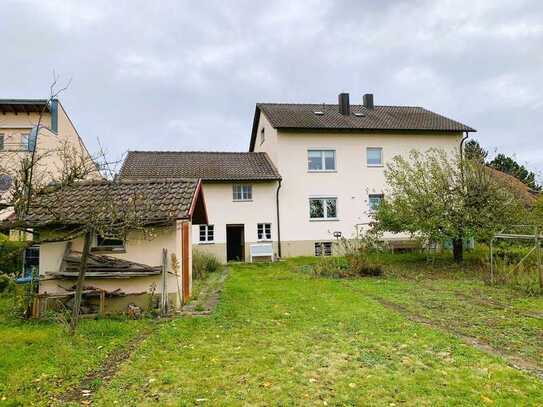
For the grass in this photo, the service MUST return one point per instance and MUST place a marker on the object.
(281, 337)
(39, 361)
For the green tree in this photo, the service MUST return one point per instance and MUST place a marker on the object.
(506, 164)
(438, 197)
(474, 151)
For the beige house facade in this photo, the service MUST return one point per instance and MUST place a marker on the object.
(327, 173)
(19, 136)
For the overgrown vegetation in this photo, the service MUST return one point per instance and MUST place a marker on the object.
(203, 263)
(11, 256)
(438, 197)
(354, 261)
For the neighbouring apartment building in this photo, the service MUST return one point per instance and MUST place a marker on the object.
(313, 173)
(19, 137)
(56, 139)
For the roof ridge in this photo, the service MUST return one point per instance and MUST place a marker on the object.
(192, 151)
(330, 104)
(122, 181)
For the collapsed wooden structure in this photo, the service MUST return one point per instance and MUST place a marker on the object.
(103, 267)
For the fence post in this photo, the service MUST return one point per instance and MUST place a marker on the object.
(539, 269)
(492, 261)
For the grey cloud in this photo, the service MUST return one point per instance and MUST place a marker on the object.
(186, 75)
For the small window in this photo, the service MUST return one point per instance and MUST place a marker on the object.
(323, 248)
(321, 160)
(28, 142)
(323, 208)
(263, 231)
(374, 200)
(262, 136)
(374, 156)
(207, 233)
(112, 243)
(242, 192)
(1, 142)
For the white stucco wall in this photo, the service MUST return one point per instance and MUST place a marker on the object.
(223, 210)
(138, 249)
(270, 144)
(351, 183)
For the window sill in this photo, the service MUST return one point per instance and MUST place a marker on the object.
(206, 243)
(108, 249)
(242, 200)
(323, 219)
(375, 165)
(265, 241)
(332, 171)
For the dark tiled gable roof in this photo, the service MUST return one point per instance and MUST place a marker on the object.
(199, 164)
(302, 116)
(150, 202)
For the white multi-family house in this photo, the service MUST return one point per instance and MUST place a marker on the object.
(313, 173)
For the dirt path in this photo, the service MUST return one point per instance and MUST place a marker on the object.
(512, 360)
(83, 393)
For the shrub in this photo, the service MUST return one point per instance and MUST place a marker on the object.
(355, 261)
(7, 285)
(203, 264)
(11, 256)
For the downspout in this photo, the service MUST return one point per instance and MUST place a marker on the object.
(278, 220)
(462, 145)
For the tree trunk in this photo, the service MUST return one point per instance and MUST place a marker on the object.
(80, 281)
(458, 250)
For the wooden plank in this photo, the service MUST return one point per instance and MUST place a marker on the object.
(185, 254)
(102, 301)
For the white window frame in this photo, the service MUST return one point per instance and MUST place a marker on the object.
(266, 234)
(25, 141)
(382, 196)
(206, 229)
(244, 196)
(325, 207)
(380, 153)
(323, 160)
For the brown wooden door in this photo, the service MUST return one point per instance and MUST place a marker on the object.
(185, 262)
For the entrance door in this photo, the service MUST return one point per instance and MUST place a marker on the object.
(235, 243)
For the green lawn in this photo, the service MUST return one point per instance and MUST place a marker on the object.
(282, 337)
(39, 361)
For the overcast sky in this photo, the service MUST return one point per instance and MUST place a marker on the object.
(186, 75)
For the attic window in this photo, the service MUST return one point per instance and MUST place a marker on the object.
(319, 113)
